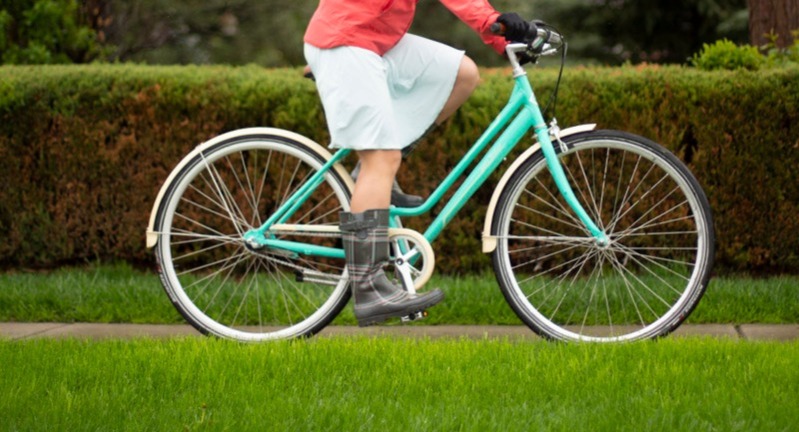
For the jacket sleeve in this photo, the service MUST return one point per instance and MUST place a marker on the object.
(479, 15)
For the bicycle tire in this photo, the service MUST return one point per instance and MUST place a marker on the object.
(566, 286)
(221, 286)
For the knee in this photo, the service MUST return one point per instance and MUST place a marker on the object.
(381, 162)
(392, 160)
(468, 75)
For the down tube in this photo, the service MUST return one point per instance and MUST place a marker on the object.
(515, 103)
(504, 144)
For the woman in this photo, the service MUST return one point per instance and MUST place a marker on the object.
(381, 89)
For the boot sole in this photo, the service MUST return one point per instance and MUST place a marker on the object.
(430, 301)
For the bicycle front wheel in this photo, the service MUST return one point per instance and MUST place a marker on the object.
(219, 283)
(645, 282)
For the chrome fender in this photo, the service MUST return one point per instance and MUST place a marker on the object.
(489, 241)
(152, 236)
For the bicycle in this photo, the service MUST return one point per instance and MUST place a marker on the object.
(595, 235)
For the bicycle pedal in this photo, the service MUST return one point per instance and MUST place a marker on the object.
(415, 316)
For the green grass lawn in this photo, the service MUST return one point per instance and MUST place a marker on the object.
(117, 293)
(388, 384)
(384, 383)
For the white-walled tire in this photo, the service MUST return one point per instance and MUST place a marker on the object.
(645, 283)
(219, 284)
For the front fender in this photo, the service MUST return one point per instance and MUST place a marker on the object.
(489, 241)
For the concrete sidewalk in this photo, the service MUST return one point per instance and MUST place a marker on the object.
(19, 331)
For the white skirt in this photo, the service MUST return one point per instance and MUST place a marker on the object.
(383, 103)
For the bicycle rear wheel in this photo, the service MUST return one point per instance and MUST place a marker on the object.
(645, 283)
(224, 287)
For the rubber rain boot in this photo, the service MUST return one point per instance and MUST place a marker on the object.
(365, 238)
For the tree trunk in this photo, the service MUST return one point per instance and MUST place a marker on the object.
(773, 17)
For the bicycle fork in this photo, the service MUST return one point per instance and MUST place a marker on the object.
(543, 134)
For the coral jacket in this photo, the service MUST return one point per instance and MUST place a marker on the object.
(377, 25)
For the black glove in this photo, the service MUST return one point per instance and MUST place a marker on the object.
(516, 28)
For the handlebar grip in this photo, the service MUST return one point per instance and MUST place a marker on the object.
(551, 37)
(532, 32)
(536, 33)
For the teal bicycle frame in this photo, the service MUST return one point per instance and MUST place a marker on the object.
(520, 114)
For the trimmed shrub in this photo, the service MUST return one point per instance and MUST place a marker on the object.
(725, 55)
(84, 149)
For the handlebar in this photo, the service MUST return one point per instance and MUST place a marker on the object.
(537, 35)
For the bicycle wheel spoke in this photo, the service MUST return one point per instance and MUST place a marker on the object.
(629, 288)
(240, 290)
(239, 183)
(194, 237)
(246, 293)
(223, 193)
(653, 207)
(551, 239)
(634, 205)
(220, 287)
(289, 191)
(644, 285)
(262, 186)
(571, 223)
(634, 227)
(604, 183)
(305, 217)
(222, 205)
(566, 285)
(595, 276)
(590, 200)
(249, 189)
(198, 251)
(628, 192)
(202, 207)
(544, 257)
(573, 272)
(659, 262)
(560, 208)
(551, 232)
(553, 270)
(664, 282)
(638, 231)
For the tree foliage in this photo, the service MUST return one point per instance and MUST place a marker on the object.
(656, 31)
(46, 32)
(266, 32)
(269, 32)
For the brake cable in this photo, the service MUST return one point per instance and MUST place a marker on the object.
(553, 98)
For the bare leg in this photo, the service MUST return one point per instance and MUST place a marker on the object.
(376, 297)
(373, 187)
(379, 167)
(465, 83)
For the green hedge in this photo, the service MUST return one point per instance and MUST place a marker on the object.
(84, 149)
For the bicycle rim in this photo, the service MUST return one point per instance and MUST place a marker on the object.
(218, 283)
(565, 285)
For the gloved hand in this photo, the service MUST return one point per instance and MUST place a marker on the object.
(516, 28)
